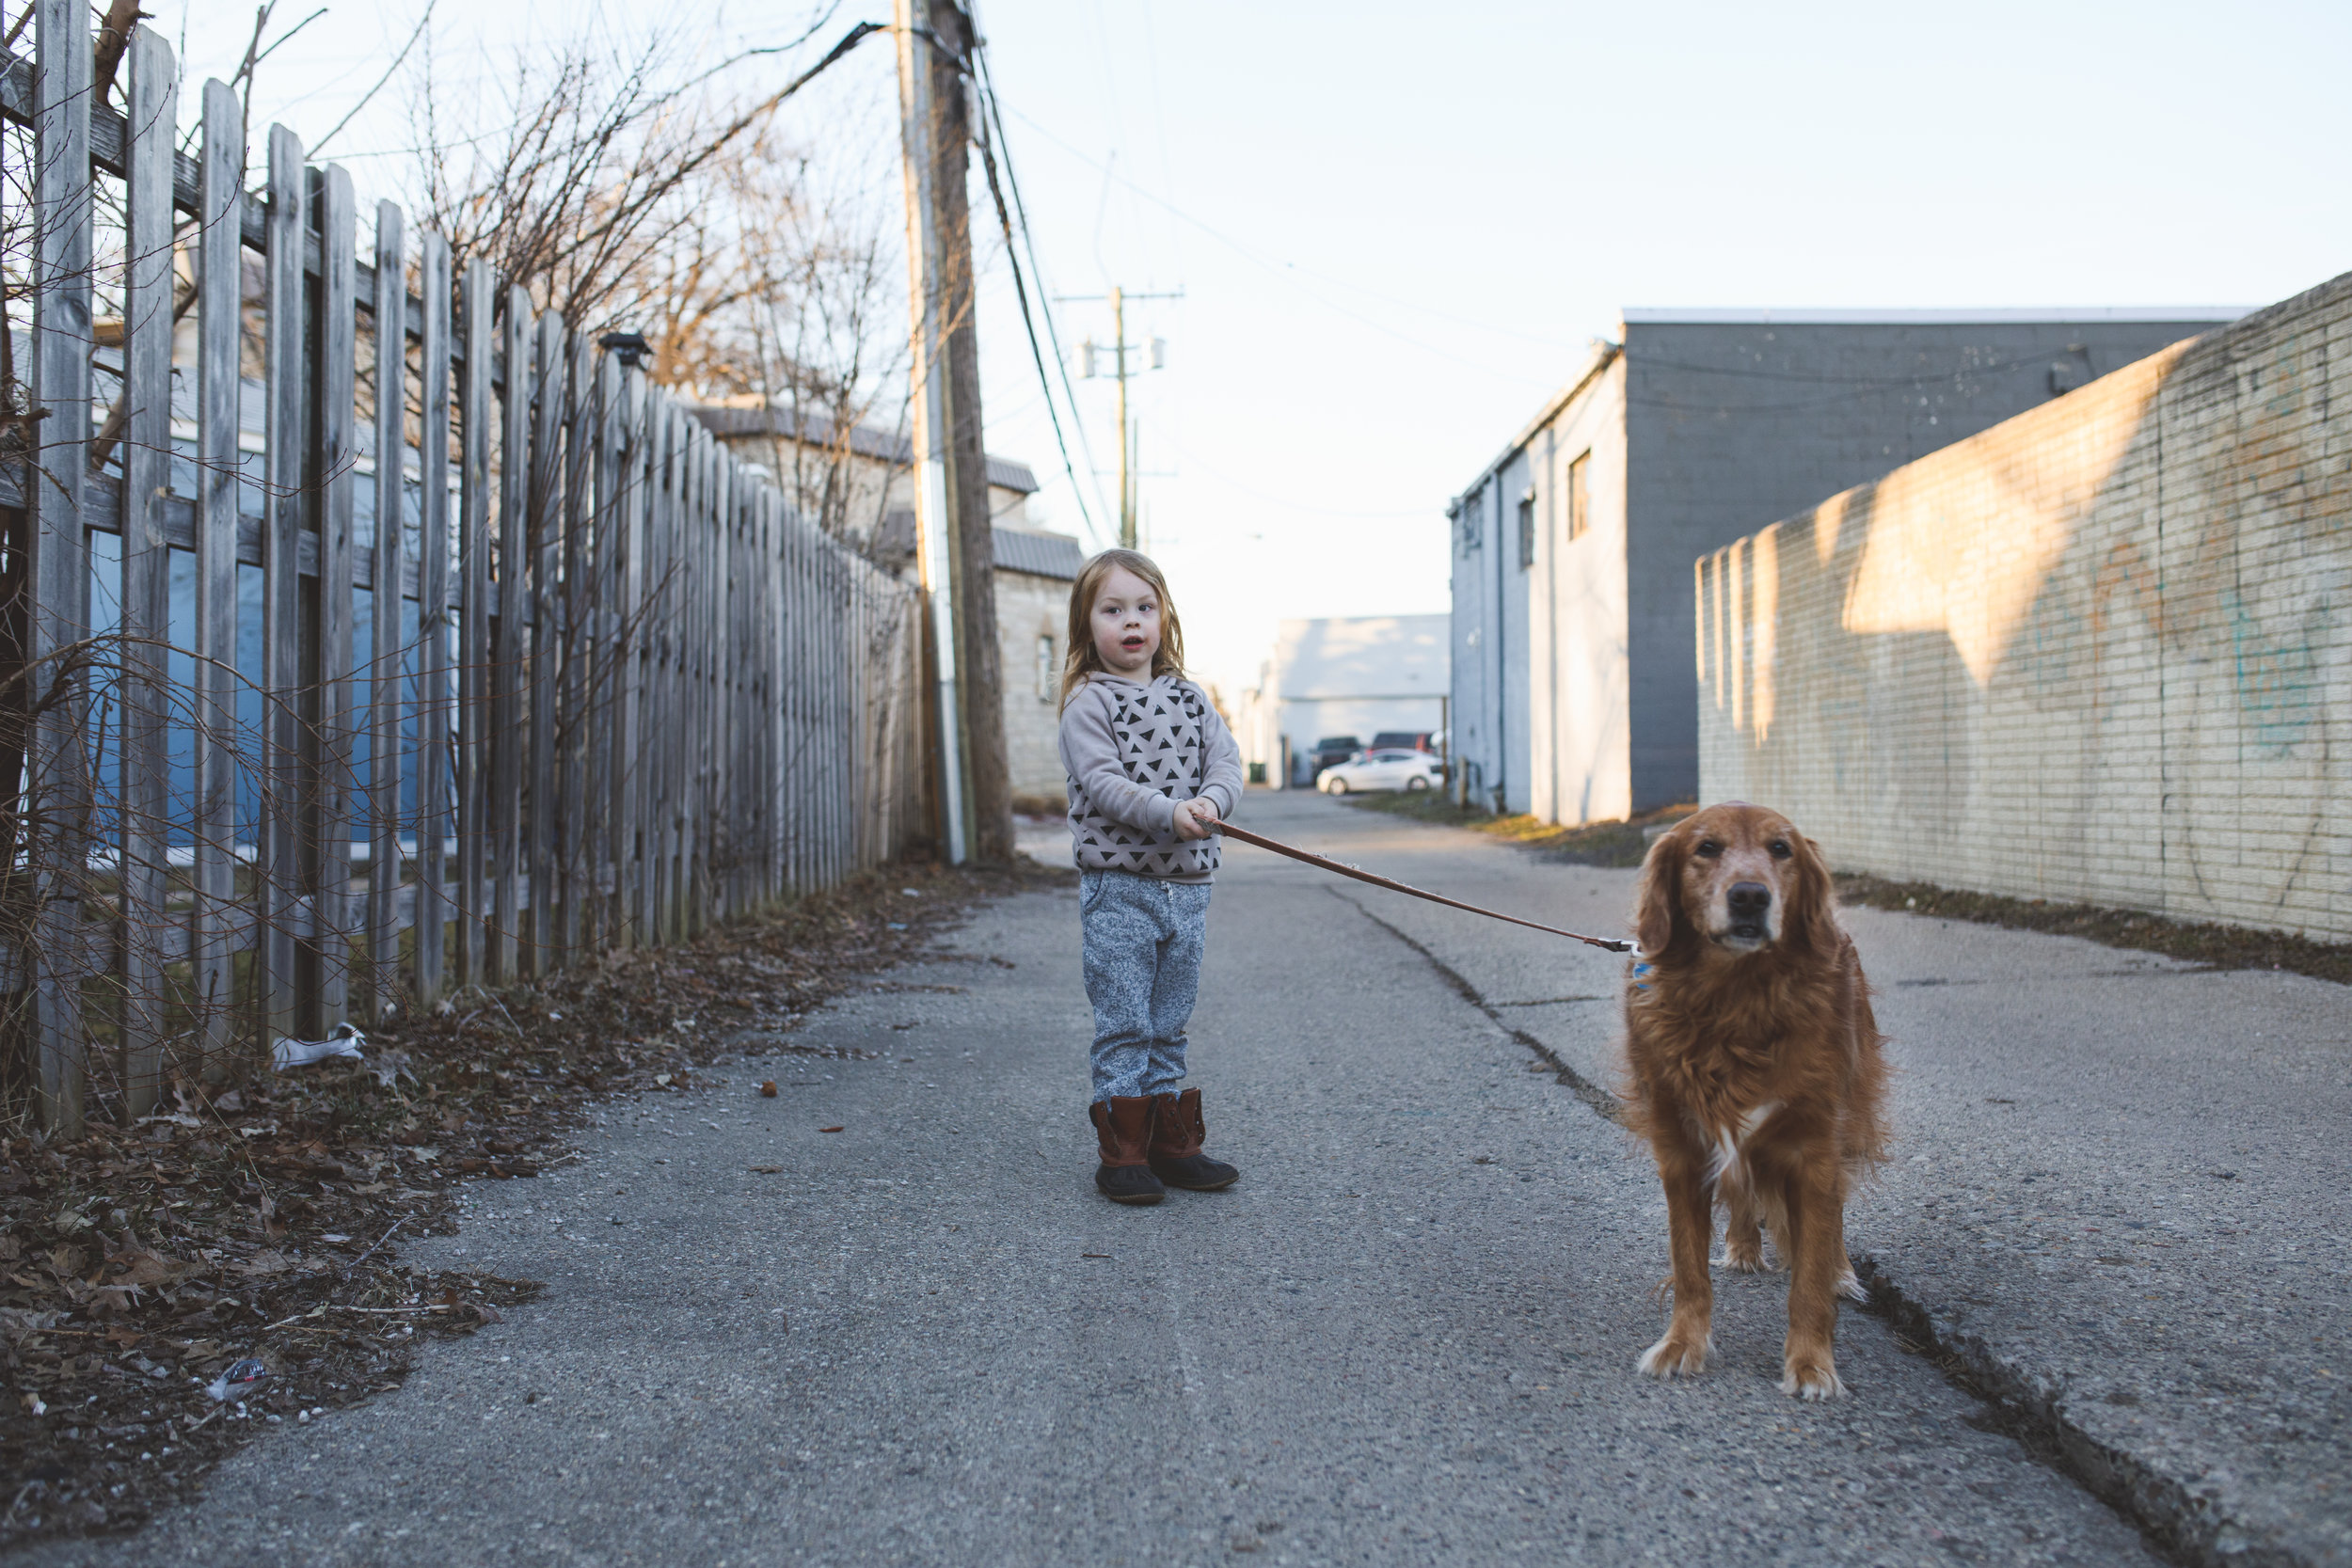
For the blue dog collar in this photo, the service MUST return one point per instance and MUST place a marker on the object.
(1641, 969)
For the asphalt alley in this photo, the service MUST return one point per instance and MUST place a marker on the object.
(1407, 1336)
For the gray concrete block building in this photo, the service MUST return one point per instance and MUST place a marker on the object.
(1574, 694)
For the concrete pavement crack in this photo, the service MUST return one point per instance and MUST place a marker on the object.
(1601, 1100)
(2175, 1523)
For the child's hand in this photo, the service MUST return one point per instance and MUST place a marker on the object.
(1194, 818)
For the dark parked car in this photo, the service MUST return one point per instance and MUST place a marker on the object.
(1334, 748)
(1404, 740)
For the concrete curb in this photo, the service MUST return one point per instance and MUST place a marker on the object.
(2175, 1521)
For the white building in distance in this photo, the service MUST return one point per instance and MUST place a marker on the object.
(1359, 675)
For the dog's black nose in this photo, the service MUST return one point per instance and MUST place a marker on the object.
(1749, 900)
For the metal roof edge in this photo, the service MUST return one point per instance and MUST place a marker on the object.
(1037, 552)
(1598, 357)
(1807, 316)
(1011, 473)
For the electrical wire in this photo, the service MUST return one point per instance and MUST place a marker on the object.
(1360, 513)
(2026, 361)
(1290, 271)
(1020, 291)
(1037, 271)
(993, 110)
(1856, 387)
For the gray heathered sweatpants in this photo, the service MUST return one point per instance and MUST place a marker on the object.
(1142, 937)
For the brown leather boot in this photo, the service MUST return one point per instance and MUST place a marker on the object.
(1177, 1133)
(1122, 1124)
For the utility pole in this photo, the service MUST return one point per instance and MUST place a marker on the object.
(1155, 354)
(1127, 540)
(954, 540)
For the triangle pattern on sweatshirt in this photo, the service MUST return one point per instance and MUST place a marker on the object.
(1161, 747)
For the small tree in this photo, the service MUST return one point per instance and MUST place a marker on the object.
(628, 192)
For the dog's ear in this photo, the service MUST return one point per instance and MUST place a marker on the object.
(1814, 900)
(1658, 906)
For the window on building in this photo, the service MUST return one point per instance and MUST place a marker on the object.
(1046, 667)
(1580, 497)
(1527, 527)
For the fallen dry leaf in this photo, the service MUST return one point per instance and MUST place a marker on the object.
(767, 1170)
(112, 1298)
(768, 1091)
(148, 1267)
(829, 1130)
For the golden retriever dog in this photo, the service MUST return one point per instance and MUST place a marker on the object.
(1754, 1072)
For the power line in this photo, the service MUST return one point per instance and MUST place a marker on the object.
(1290, 271)
(1037, 271)
(995, 114)
(1232, 484)
(1037, 354)
(1857, 386)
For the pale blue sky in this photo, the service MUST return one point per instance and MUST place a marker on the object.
(1396, 226)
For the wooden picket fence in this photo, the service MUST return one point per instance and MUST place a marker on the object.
(613, 688)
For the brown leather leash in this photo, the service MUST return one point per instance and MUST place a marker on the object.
(1325, 863)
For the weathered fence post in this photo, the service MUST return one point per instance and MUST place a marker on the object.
(385, 656)
(661, 711)
(632, 493)
(220, 288)
(692, 667)
(286, 422)
(335, 451)
(473, 625)
(145, 793)
(541, 687)
(432, 620)
(57, 802)
(509, 639)
(575, 548)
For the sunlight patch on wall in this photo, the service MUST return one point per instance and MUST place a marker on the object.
(1977, 584)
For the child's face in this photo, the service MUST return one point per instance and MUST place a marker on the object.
(1126, 623)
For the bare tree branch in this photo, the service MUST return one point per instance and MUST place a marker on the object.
(625, 191)
(390, 72)
(114, 38)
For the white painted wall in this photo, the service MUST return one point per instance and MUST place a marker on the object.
(1358, 674)
(1578, 763)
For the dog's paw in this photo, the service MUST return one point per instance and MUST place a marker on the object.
(1677, 1355)
(1850, 1286)
(1745, 1261)
(1812, 1379)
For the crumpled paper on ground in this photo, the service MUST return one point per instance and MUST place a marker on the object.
(346, 1042)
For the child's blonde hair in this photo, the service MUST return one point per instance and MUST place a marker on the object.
(1083, 660)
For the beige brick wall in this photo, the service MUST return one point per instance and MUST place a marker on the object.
(2101, 652)
(1031, 612)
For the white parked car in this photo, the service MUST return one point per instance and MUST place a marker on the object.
(1397, 770)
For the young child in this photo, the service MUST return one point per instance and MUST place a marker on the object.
(1153, 770)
